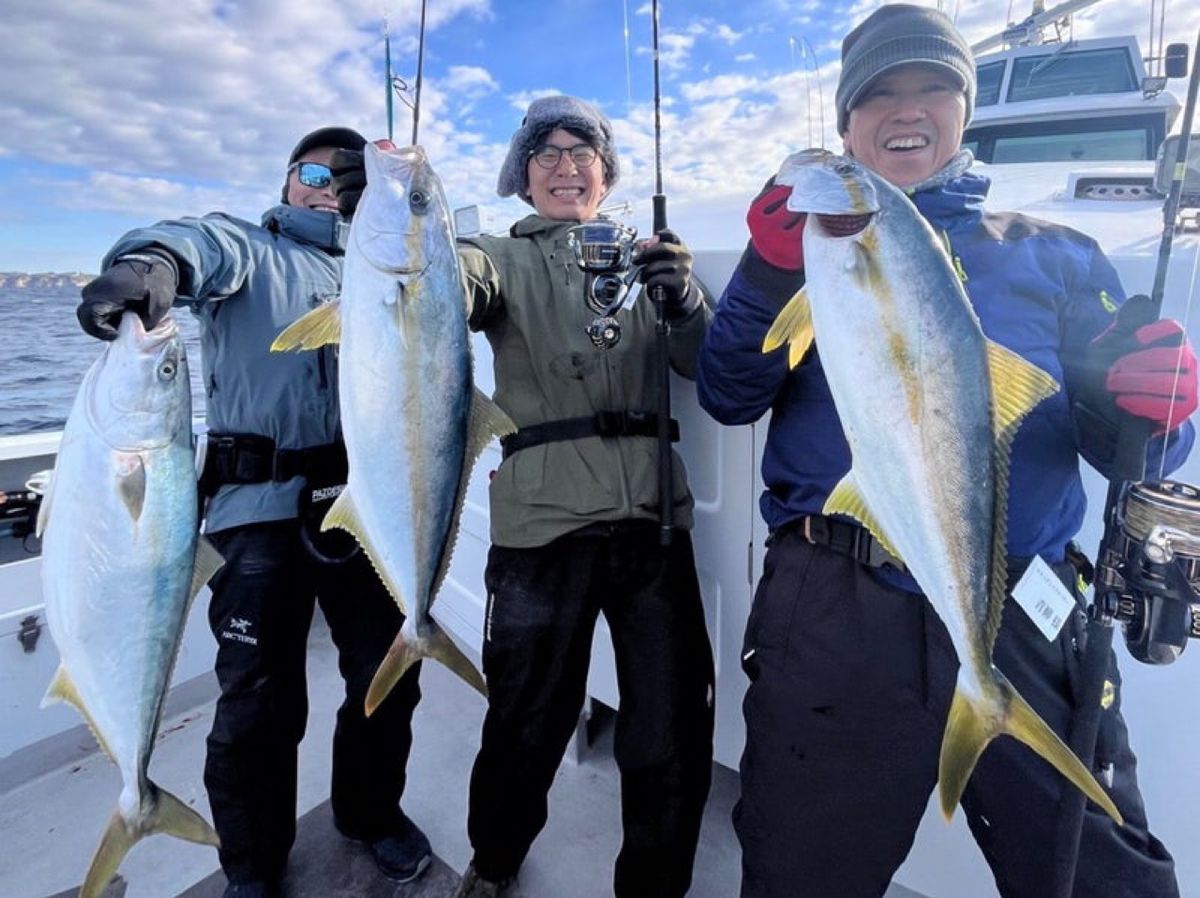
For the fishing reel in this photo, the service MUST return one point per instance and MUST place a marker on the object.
(1149, 576)
(603, 249)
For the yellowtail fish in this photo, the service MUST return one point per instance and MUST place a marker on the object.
(930, 408)
(413, 421)
(121, 562)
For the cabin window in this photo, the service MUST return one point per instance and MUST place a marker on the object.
(1072, 147)
(987, 83)
(1080, 140)
(1072, 74)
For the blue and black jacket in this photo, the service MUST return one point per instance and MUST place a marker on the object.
(1041, 289)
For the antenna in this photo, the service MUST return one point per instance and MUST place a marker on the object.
(1029, 30)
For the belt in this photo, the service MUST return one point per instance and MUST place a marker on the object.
(601, 424)
(847, 539)
(251, 458)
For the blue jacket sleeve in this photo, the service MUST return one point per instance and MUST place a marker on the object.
(1089, 308)
(213, 253)
(735, 381)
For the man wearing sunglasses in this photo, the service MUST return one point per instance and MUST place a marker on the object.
(274, 444)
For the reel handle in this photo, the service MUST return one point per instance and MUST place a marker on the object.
(1129, 461)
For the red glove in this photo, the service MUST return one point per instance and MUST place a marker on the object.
(1157, 381)
(777, 234)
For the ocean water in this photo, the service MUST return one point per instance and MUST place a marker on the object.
(44, 355)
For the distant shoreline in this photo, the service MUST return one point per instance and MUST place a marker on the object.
(20, 280)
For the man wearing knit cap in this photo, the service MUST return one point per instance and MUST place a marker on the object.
(273, 444)
(574, 516)
(851, 671)
(574, 519)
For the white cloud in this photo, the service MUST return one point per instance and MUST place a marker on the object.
(470, 78)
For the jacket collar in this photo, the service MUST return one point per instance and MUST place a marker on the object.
(536, 224)
(953, 203)
(324, 230)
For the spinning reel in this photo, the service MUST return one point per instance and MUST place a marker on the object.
(603, 249)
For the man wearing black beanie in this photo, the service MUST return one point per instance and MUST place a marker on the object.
(851, 671)
(274, 447)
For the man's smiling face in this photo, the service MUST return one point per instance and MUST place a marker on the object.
(566, 192)
(908, 123)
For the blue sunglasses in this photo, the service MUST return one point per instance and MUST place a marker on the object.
(311, 174)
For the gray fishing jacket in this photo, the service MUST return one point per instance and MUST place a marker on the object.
(246, 284)
(527, 296)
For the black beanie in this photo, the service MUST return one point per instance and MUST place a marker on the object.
(901, 34)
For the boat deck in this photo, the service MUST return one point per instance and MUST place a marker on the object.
(51, 824)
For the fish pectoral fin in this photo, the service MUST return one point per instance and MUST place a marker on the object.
(970, 728)
(313, 330)
(131, 483)
(206, 563)
(794, 327)
(1017, 386)
(167, 815)
(847, 499)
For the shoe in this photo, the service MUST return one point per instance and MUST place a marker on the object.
(255, 889)
(404, 853)
(473, 886)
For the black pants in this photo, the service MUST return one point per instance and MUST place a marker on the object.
(542, 609)
(262, 606)
(851, 682)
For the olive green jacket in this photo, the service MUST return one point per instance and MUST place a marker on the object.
(528, 297)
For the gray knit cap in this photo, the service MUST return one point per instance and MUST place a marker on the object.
(900, 34)
(543, 116)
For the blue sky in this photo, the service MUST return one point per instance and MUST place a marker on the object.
(116, 113)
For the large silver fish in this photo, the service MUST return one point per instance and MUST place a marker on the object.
(412, 420)
(930, 408)
(120, 565)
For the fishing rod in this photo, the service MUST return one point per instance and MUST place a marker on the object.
(662, 329)
(1140, 578)
(396, 85)
(420, 66)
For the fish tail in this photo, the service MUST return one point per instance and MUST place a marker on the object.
(168, 815)
(443, 649)
(971, 726)
(406, 651)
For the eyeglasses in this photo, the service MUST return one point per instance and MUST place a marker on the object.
(311, 174)
(547, 155)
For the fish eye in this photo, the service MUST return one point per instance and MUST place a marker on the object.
(418, 200)
(166, 371)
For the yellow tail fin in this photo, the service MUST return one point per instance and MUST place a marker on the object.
(167, 815)
(406, 651)
(970, 728)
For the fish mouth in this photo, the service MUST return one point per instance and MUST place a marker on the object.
(843, 225)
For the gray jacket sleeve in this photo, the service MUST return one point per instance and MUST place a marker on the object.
(213, 253)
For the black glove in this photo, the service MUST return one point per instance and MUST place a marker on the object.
(349, 178)
(668, 264)
(144, 282)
